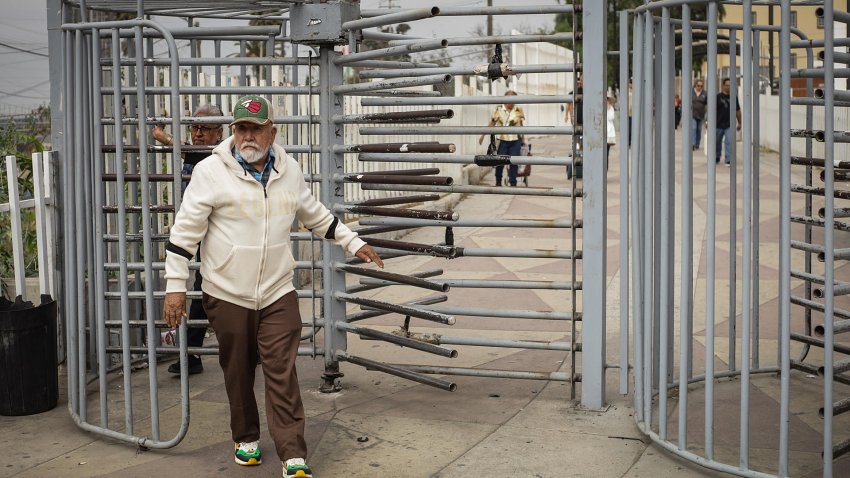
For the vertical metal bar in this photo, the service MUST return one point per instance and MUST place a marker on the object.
(624, 203)
(594, 204)
(97, 213)
(194, 52)
(637, 254)
(68, 211)
(88, 220)
(79, 230)
(242, 53)
(711, 82)
(686, 302)
(829, 219)
(733, 197)
(648, 266)
(655, 161)
(666, 160)
(784, 232)
(41, 219)
(576, 144)
(269, 54)
(118, 129)
(152, 337)
(807, 313)
(217, 69)
(746, 119)
(755, 184)
(331, 163)
(56, 14)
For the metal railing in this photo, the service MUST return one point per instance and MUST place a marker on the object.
(739, 366)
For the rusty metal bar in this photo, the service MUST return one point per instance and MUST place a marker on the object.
(398, 309)
(396, 179)
(400, 279)
(398, 340)
(395, 370)
(391, 201)
(435, 250)
(400, 212)
(429, 147)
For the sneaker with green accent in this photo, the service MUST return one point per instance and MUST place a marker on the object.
(296, 468)
(248, 453)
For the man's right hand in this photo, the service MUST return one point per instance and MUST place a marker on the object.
(174, 308)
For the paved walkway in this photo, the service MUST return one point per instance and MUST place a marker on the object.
(380, 425)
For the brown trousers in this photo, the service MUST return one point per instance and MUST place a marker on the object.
(276, 330)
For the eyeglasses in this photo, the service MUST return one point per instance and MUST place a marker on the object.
(204, 129)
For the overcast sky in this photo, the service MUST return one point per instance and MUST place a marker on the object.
(24, 81)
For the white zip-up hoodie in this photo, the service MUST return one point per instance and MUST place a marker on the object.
(243, 229)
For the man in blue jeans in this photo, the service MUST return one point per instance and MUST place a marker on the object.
(699, 103)
(724, 106)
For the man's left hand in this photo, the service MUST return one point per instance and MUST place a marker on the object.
(367, 254)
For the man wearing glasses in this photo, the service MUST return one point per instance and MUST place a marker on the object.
(699, 102)
(202, 135)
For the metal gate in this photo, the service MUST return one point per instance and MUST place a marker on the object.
(686, 378)
(120, 191)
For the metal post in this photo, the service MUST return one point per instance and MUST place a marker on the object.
(686, 316)
(332, 193)
(746, 119)
(784, 233)
(624, 203)
(594, 205)
(637, 254)
(711, 82)
(666, 159)
(733, 195)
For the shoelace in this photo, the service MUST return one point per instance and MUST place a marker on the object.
(249, 447)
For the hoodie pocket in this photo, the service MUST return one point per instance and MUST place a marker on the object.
(237, 274)
(278, 268)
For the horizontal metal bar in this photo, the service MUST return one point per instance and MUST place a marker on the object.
(819, 73)
(399, 309)
(469, 189)
(460, 158)
(837, 136)
(223, 61)
(839, 212)
(395, 179)
(816, 342)
(143, 349)
(389, 17)
(532, 223)
(471, 11)
(421, 275)
(489, 373)
(354, 88)
(799, 188)
(217, 90)
(512, 284)
(838, 327)
(391, 201)
(444, 130)
(467, 100)
(507, 343)
(403, 341)
(353, 58)
(500, 39)
(812, 370)
(437, 250)
(819, 162)
(222, 120)
(368, 314)
(839, 226)
(838, 367)
(400, 212)
(479, 70)
(394, 64)
(158, 295)
(400, 279)
(839, 407)
(395, 370)
(406, 148)
(503, 313)
(395, 117)
(802, 302)
(262, 31)
(526, 253)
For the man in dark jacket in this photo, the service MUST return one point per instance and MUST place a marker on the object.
(699, 102)
(724, 122)
(202, 135)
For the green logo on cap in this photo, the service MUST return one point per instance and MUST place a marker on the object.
(252, 109)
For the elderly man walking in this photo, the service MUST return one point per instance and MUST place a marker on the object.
(240, 206)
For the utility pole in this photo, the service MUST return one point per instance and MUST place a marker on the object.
(489, 20)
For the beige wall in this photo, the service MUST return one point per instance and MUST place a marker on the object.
(806, 21)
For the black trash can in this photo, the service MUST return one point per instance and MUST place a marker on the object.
(29, 381)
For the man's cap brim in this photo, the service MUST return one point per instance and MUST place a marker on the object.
(252, 120)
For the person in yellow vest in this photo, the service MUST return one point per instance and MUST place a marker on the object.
(509, 144)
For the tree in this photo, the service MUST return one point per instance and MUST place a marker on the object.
(258, 48)
(699, 12)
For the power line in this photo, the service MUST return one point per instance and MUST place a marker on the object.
(4, 94)
(13, 47)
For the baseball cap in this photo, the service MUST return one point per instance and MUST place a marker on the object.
(252, 109)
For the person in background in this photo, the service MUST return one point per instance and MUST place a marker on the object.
(240, 207)
(202, 135)
(724, 122)
(677, 111)
(699, 103)
(509, 144)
